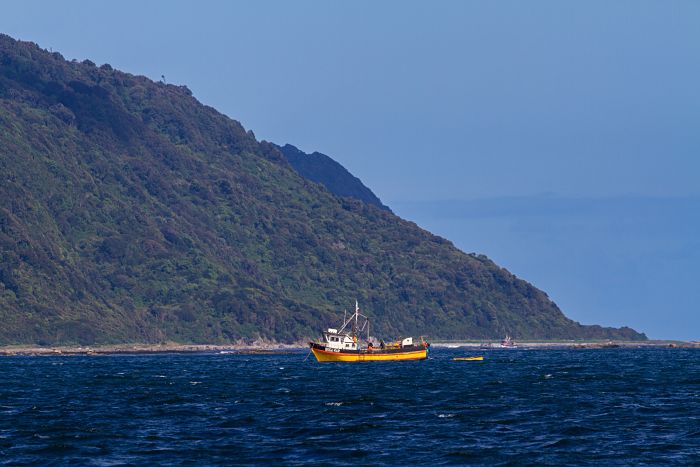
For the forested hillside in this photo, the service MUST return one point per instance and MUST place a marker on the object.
(131, 212)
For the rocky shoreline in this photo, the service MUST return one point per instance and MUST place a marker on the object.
(266, 347)
(132, 349)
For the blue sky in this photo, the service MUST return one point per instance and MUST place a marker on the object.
(559, 138)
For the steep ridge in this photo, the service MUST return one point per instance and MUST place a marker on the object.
(336, 178)
(131, 212)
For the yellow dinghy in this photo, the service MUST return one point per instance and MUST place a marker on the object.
(468, 359)
(341, 345)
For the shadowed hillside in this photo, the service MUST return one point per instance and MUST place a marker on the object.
(322, 169)
(131, 212)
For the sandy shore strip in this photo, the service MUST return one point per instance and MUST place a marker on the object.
(254, 348)
(266, 347)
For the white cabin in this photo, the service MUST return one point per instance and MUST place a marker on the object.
(333, 340)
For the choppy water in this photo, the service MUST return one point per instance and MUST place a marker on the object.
(517, 407)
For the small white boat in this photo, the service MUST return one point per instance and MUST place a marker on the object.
(508, 343)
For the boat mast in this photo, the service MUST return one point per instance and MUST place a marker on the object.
(354, 322)
(357, 312)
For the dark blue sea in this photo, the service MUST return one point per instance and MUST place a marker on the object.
(518, 407)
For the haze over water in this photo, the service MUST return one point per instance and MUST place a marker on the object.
(583, 407)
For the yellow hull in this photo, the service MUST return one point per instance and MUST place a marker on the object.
(469, 359)
(325, 356)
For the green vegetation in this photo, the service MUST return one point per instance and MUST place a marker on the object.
(131, 212)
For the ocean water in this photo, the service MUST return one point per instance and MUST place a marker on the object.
(536, 407)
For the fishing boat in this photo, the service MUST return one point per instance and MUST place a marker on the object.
(343, 344)
(508, 343)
